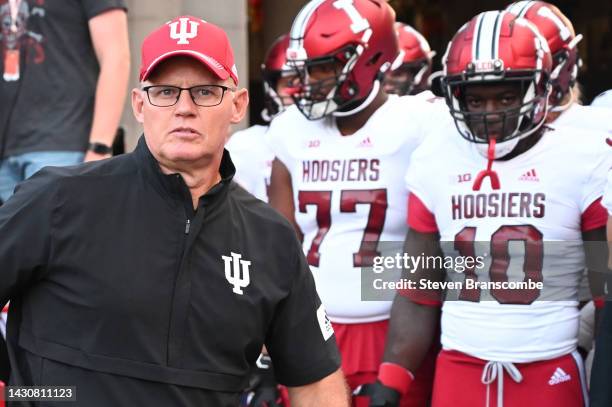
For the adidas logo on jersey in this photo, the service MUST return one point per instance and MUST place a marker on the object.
(559, 377)
(366, 142)
(529, 176)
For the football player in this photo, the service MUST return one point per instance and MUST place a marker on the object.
(249, 148)
(341, 152)
(412, 75)
(566, 109)
(601, 392)
(495, 174)
(559, 32)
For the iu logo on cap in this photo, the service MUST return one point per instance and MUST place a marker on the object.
(183, 34)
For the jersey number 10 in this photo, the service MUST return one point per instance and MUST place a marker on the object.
(500, 261)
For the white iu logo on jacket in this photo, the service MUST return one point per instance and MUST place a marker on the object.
(237, 272)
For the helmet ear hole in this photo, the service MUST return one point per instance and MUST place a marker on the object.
(374, 59)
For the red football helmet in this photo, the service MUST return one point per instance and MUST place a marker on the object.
(497, 47)
(562, 40)
(412, 76)
(273, 69)
(353, 42)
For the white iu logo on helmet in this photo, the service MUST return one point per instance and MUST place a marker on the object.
(237, 272)
(358, 23)
(183, 34)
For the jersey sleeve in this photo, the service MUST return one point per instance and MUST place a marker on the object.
(419, 217)
(93, 8)
(420, 204)
(25, 227)
(607, 198)
(301, 339)
(593, 214)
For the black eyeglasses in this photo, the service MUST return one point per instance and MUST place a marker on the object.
(202, 95)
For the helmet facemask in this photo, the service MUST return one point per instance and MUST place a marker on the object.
(407, 78)
(274, 104)
(566, 64)
(507, 126)
(324, 85)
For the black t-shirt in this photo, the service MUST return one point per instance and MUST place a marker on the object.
(119, 288)
(50, 107)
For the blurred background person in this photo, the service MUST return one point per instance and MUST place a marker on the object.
(65, 72)
(249, 148)
(412, 75)
(65, 68)
(566, 107)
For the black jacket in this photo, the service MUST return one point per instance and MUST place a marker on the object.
(118, 287)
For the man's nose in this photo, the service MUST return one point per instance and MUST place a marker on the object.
(493, 109)
(185, 104)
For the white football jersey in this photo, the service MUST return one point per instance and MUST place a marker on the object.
(595, 117)
(349, 195)
(604, 100)
(528, 230)
(586, 117)
(253, 158)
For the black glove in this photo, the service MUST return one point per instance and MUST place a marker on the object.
(380, 395)
(263, 389)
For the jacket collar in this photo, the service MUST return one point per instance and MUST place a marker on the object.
(172, 185)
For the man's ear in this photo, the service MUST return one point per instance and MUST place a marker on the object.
(138, 104)
(240, 102)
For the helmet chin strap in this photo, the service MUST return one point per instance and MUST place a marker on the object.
(488, 172)
(366, 102)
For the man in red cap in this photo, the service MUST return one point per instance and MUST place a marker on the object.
(196, 282)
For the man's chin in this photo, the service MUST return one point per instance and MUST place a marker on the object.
(184, 154)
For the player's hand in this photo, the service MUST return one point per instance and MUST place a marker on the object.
(263, 389)
(379, 394)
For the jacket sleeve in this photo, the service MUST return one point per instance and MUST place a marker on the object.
(301, 340)
(25, 234)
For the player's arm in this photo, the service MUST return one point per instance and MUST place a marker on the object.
(415, 312)
(331, 391)
(596, 257)
(281, 193)
(413, 325)
(109, 35)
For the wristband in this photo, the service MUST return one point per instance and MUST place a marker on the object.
(100, 148)
(599, 301)
(395, 376)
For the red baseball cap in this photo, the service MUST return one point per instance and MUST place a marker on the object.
(190, 36)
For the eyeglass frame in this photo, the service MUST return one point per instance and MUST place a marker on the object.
(223, 88)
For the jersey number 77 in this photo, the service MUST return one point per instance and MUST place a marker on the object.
(349, 199)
